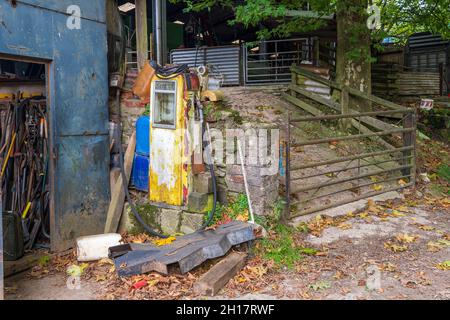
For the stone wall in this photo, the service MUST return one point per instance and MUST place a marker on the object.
(131, 107)
(263, 183)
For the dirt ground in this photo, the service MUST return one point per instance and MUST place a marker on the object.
(353, 262)
(395, 248)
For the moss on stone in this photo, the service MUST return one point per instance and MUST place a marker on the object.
(149, 213)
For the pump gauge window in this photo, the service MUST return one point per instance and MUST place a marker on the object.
(164, 104)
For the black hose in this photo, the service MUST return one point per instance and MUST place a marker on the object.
(169, 72)
(125, 186)
(147, 228)
(211, 169)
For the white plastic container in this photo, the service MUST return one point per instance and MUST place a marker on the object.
(91, 248)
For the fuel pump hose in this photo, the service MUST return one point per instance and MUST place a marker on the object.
(146, 227)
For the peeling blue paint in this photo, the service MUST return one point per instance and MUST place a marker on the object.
(78, 96)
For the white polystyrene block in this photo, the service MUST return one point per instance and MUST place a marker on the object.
(91, 248)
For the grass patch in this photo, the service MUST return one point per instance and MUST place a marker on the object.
(443, 172)
(234, 209)
(280, 248)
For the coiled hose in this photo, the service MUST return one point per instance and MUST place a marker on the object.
(138, 217)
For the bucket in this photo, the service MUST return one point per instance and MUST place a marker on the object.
(141, 87)
(13, 247)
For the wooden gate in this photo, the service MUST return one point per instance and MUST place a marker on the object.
(323, 172)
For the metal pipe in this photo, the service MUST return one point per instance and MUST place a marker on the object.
(348, 189)
(350, 115)
(355, 157)
(326, 184)
(351, 137)
(350, 168)
(158, 32)
(338, 203)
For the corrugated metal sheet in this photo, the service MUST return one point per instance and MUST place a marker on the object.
(77, 86)
(225, 58)
(427, 52)
(425, 39)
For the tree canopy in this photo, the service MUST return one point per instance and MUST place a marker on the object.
(399, 18)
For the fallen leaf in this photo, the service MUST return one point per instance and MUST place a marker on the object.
(76, 270)
(396, 213)
(344, 226)
(426, 228)
(164, 241)
(404, 237)
(377, 187)
(320, 285)
(390, 267)
(444, 265)
(394, 247)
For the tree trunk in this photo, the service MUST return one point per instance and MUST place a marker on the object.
(353, 57)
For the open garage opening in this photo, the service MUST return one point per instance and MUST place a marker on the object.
(24, 156)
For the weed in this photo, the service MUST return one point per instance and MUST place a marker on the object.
(235, 208)
(443, 172)
(281, 249)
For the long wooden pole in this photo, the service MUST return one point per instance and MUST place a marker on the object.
(141, 32)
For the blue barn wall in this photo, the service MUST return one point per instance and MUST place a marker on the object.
(77, 86)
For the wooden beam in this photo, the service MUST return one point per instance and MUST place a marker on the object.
(353, 122)
(299, 103)
(218, 276)
(28, 261)
(141, 32)
(371, 121)
(118, 194)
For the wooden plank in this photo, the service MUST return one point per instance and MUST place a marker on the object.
(218, 276)
(301, 104)
(28, 261)
(344, 103)
(314, 77)
(375, 99)
(352, 91)
(373, 122)
(118, 195)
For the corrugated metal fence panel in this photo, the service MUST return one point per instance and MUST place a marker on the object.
(425, 39)
(226, 59)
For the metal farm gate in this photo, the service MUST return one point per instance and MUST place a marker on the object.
(377, 156)
(269, 61)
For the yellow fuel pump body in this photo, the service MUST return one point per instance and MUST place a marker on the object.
(170, 141)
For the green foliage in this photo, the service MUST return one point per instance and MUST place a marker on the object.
(399, 18)
(146, 110)
(234, 208)
(44, 260)
(282, 249)
(443, 171)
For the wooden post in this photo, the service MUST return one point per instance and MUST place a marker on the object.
(345, 123)
(409, 139)
(141, 32)
(287, 172)
(293, 80)
(316, 52)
